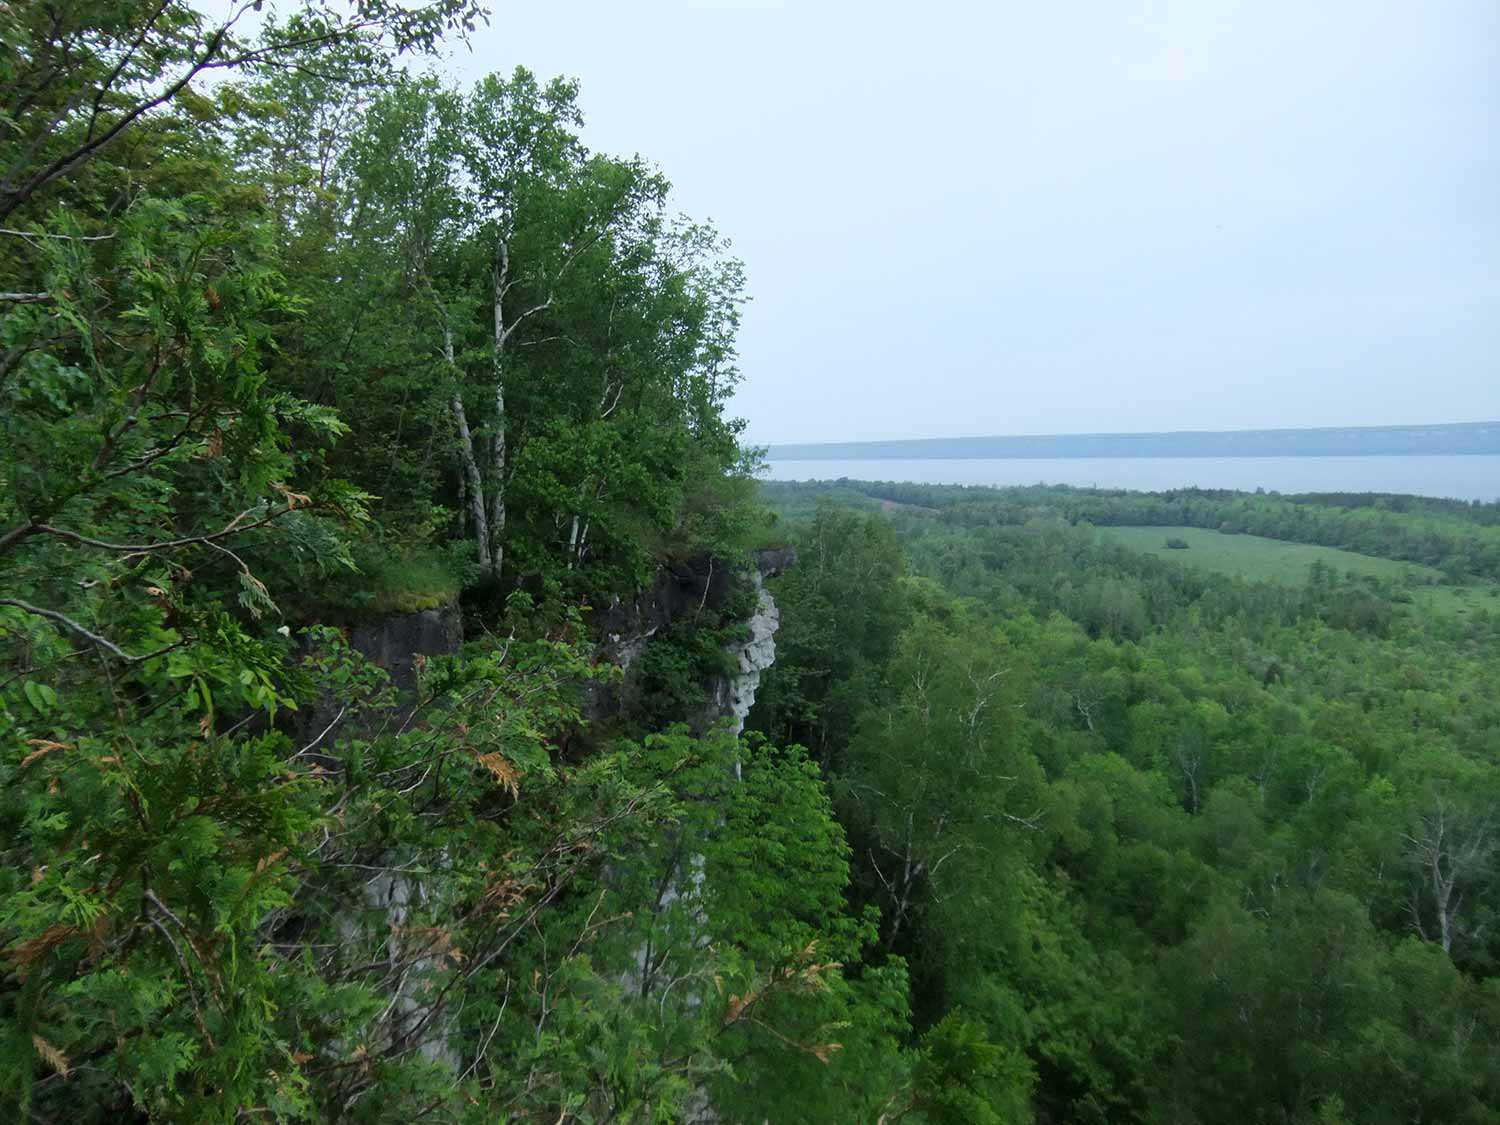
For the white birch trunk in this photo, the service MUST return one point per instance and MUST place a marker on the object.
(473, 487)
(497, 446)
(572, 542)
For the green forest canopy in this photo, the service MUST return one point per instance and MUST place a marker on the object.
(1201, 846)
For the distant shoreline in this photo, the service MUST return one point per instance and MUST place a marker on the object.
(1451, 439)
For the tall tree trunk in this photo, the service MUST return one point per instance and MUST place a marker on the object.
(473, 487)
(572, 541)
(497, 445)
(463, 504)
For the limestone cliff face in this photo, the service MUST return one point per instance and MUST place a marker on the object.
(733, 695)
(396, 642)
(758, 652)
(729, 696)
(682, 589)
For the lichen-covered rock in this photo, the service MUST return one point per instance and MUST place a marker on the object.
(394, 641)
(734, 695)
(771, 561)
(685, 588)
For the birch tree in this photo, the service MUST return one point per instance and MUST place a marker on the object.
(540, 202)
(1452, 851)
(530, 334)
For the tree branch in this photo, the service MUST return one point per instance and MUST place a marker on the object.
(233, 528)
(68, 623)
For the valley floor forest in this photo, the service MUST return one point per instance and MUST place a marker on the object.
(413, 707)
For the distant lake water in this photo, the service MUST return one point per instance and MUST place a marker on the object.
(1474, 477)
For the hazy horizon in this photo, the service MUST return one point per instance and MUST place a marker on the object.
(1142, 433)
(1003, 219)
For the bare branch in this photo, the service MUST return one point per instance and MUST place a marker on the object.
(29, 234)
(323, 734)
(68, 623)
(234, 527)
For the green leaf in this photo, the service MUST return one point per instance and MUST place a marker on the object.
(42, 698)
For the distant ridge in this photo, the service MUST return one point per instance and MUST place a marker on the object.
(1346, 441)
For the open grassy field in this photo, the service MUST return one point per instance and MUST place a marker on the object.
(1254, 557)
(1257, 558)
(1457, 600)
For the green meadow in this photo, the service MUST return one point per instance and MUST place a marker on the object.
(1257, 558)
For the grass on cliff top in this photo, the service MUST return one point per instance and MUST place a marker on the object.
(386, 581)
(413, 581)
(1257, 558)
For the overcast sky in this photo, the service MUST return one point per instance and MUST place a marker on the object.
(972, 218)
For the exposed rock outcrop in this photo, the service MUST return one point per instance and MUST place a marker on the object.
(690, 589)
(686, 588)
(394, 641)
(682, 588)
(732, 696)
